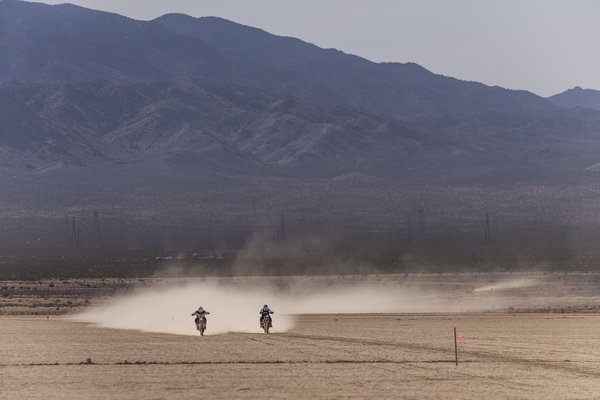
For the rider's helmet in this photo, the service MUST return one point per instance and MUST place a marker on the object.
(200, 308)
(265, 306)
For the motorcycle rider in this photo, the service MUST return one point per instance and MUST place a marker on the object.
(200, 313)
(264, 312)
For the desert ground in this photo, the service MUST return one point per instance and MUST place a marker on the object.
(533, 346)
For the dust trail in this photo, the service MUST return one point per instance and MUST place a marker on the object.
(509, 284)
(168, 310)
(234, 307)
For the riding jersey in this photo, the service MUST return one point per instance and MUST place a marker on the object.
(201, 314)
(264, 312)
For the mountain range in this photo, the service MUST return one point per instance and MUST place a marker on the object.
(79, 85)
(90, 99)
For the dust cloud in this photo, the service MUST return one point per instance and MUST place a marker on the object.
(520, 283)
(235, 305)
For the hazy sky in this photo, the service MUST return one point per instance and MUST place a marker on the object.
(545, 46)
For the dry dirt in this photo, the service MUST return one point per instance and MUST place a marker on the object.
(528, 356)
(541, 342)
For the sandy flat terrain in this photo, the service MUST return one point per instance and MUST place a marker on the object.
(528, 356)
(523, 336)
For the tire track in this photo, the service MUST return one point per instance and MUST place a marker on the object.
(484, 356)
(347, 352)
(273, 362)
(269, 341)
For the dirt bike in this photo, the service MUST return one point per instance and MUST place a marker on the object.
(265, 323)
(201, 324)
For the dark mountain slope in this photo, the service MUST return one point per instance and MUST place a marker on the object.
(289, 65)
(18, 128)
(240, 99)
(578, 97)
(44, 43)
(202, 124)
(208, 126)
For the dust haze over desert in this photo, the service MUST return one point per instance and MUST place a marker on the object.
(234, 305)
(411, 187)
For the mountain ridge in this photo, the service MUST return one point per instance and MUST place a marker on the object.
(81, 85)
(406, 90)
(176, 46)
(578, 97)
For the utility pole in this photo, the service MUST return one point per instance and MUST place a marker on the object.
(487, 236)
(96, 226)
(409, 229)
(282, 229)
(77, 237)
(74, 233)
(421, 222)
(66, 232)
